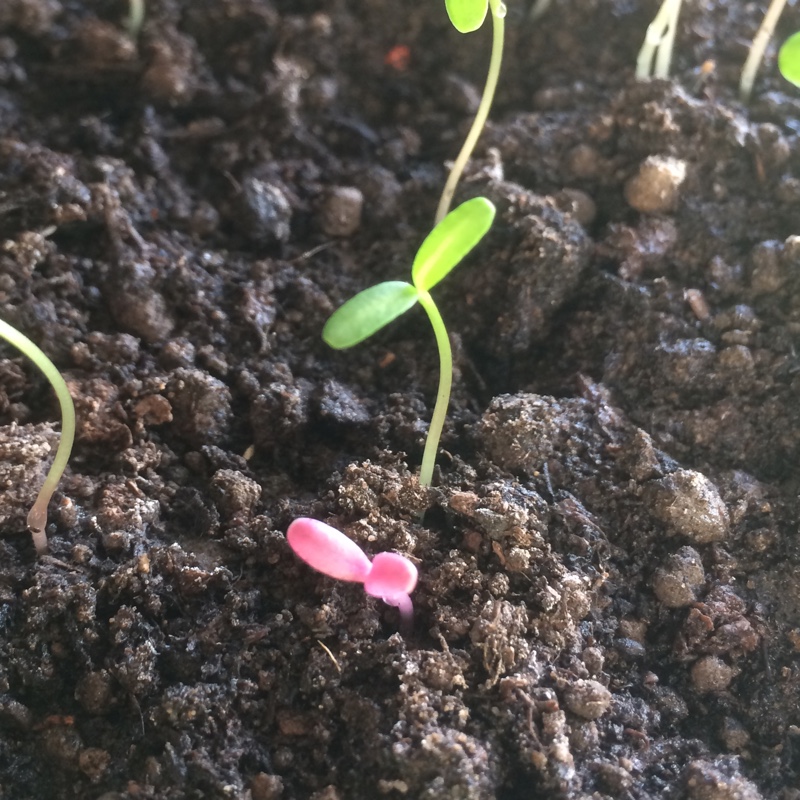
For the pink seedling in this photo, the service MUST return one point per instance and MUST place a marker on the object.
(389, 576)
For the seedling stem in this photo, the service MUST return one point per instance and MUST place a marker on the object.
(374, 308)
(498, 13)
(37, 516)
(757, 48)
(443, 393)
(655, 55)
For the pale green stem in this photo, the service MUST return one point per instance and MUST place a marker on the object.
(135, 18)
(756, 54)
(659, 41)
(37, 516)
(443, 394)
(498, 10)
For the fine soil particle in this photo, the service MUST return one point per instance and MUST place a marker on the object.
(609, 593)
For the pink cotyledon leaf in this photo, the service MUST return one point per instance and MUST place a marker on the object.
(327, 550)
(392, 578)
(391, 575)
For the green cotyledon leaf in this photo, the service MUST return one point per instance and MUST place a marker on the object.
(467, 15)
(789, 59)
(368, 312)
(447, 244)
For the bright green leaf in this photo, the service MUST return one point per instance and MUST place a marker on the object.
(368, 312)
(789, 59)
(466, 15)
(450, 241)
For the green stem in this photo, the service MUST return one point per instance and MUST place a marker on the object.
(37, 516)
(498, 10)
(443, 395)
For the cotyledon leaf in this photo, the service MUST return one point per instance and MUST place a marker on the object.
(368, 312)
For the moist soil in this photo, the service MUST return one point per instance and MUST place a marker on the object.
(609, 594)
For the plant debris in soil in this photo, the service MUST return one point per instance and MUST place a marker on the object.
(609, 595)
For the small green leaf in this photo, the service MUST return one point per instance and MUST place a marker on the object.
(368, 312)
(450, 241)
(789, 59)
(467, 15)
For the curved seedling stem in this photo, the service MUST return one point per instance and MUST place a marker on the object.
(37, 516)
(498, 10)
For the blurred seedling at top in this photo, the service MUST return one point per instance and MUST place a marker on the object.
(37, 516)
(135, 19)
(655, 55)
(757, 49)
(468, 16)
(374, 308)
(389, 576)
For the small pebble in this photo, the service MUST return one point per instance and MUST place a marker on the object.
(630, 649)
(734, 735)
(587, 699)
(234, 493)
(583, 161)
(94, 762)
(676, 582)
(266, 787)
(655, 188)
(768, 273)
(716, 780)
(689, 505)
(340, 212)
(712, 674)
(577, 203)
(593, 659)
(262, 212)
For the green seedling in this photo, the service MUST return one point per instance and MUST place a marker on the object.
(758, 47)
(789, 59)
(468, 16)
(37, 516)
(374, 308)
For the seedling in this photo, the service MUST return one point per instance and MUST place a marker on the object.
(37, 516)
(389, 576)
(757, 48)
(655, 56)
(789, 59)
(369, 311)
(135, 19)
(468, 16)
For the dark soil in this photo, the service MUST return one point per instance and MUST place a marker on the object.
(609, 600)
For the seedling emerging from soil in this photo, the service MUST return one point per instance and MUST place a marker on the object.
(135, 19)
(468, 16)
(655, 56)
(369, 311)
(756, 54)
(389, 576)
(37, 516)
(789, 59)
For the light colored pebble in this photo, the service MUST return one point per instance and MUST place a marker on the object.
(588, 699)
(712, 674)
(655, 188)
(710, 780)
(676, 582)
(340, 212)
(689, 505)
